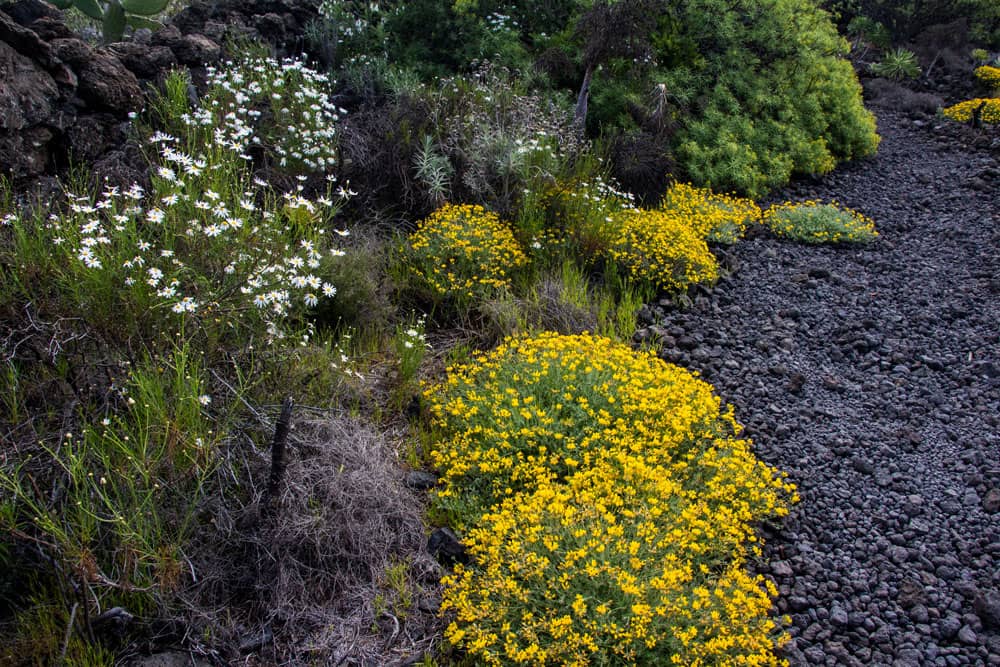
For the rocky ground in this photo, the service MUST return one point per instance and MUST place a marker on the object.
(872, 375)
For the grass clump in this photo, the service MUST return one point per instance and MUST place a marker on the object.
(719, 218)
(816, 222)
(461, 252)
(660, 249)
(609, 502)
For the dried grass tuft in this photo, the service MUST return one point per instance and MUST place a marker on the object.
(338, 573)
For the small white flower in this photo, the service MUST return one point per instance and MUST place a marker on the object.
(185, 305)
(204, 399)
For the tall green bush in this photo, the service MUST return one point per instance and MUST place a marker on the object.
(764, 93)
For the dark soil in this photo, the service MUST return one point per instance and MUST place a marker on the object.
(871, 375)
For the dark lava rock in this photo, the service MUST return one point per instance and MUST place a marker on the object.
(107, 84)
(892, 441)
(991, 501)
(987, 606)
(420, 480)
(445, 546)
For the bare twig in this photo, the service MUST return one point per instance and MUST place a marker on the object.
(278, 463)
(69, 632)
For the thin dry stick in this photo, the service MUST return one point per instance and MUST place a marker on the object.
(278, 463)
(69, 631)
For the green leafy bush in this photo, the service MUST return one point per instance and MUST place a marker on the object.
(769, 97)
(905, 20)
(816, 222)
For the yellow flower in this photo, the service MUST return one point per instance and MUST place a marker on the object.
(464, 251)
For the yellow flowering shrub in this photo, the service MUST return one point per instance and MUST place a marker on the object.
(619, 565)
(463, 251)
(608, 504)
(989, 75)
(987, 107)
(716, 217)
(816, 222)
(660, 249)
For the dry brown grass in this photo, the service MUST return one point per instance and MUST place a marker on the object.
(338, 574)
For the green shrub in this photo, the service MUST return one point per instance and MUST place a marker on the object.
(864, 30)
(769, 98)
(815, 222)
(905, 20)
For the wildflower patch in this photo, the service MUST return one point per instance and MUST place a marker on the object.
(986, 108)
(464, 251)
(718, 218)
(660, 249)
(608, 504)
(989, 75)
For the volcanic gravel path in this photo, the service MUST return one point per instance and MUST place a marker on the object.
(872, 376)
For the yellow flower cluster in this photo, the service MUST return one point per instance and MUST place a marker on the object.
(717, 217)
(818, 222)
(989, 75)
(661, 249)
(463, 251)
(987, 107)
(611, 504)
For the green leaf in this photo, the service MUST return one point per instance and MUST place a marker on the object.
(139, 22)
(114, 22)
(91, 8)
(145, 7)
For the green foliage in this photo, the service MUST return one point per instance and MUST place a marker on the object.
(904, 20)
(862, 29)
(114, 15)
(816, 222)
(897, 65)
(771, 96)
(40, 636)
